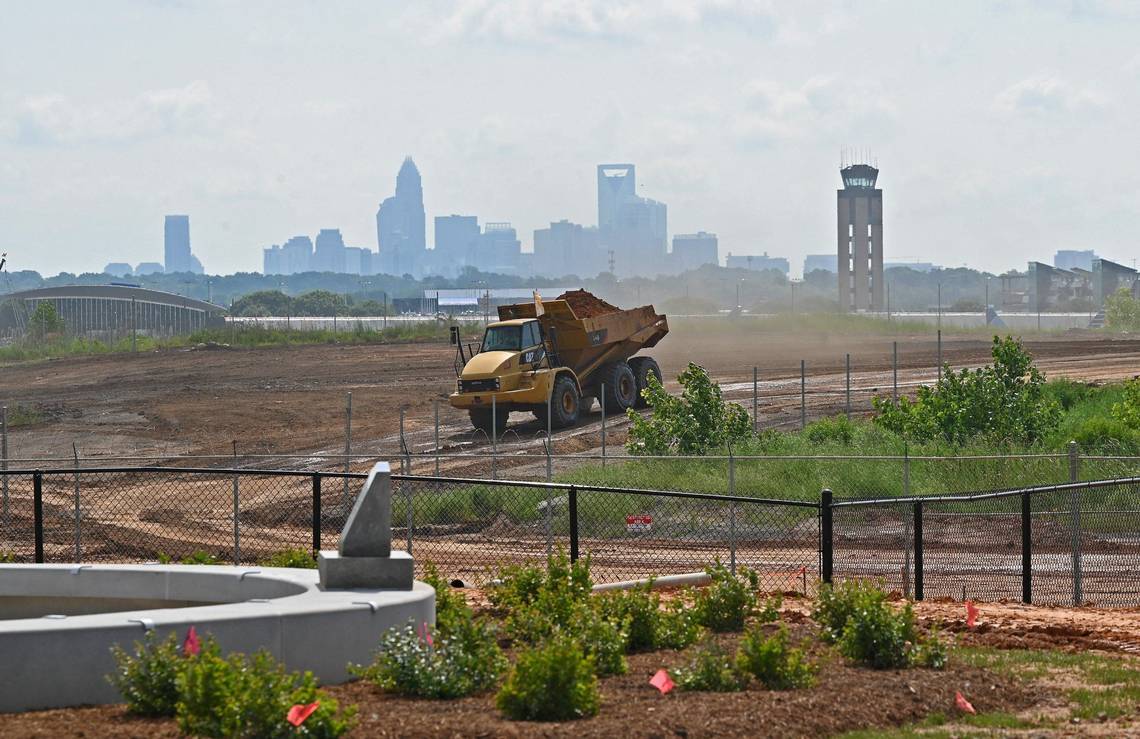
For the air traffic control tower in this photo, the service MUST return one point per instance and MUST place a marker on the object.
(860, 211)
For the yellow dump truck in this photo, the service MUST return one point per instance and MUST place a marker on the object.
(554, 358)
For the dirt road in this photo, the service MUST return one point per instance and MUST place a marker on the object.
(293, 399)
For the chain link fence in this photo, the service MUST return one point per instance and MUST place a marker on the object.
(468, 528)
(1071, 544)
(1076, 542)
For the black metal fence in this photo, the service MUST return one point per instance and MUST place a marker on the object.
(1073, 543)
(1066, 543)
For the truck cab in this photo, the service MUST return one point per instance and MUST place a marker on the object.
(509, 372)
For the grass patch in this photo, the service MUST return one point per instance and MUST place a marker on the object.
(237, 335)
(23, 415)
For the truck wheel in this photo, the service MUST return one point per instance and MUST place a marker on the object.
(566, 403)
(643, 367)
(481, 419)
(621, 387)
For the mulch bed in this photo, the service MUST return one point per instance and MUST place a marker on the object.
(843, 698)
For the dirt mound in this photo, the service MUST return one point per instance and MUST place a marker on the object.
(586, 304)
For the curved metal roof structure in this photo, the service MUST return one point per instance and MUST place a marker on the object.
(114, 292)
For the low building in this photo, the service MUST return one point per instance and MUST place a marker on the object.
(692, 251)
(758, 262)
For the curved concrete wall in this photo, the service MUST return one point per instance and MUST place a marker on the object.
(56, 661)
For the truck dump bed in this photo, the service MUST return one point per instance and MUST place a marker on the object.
(589, 332)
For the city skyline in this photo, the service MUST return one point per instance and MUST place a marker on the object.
(738, 111)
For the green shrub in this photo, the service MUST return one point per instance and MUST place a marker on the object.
(837, 430)
(7, 558)
(725, 603)
(199, 558)
(931, 651)
(559, 603)
(711, 669)
(554, 682)
(1069, 393)
(695, 422)
(238, 696)
(677, 626)
(451, 610)
(836, 603)
(639, 610)
(877, 636)
(1122, 311)
(1127, 411)
(297, 558)
(1005, 401)
(147, 678)
(771, 610)
(466, 661)
(1111, 435)
(516, 586)
(772, 661)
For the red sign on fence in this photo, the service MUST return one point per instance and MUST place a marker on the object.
(638, 524)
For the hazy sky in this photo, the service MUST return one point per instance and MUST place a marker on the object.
(1003, 130)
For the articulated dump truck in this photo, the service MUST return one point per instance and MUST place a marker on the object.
(554, 358)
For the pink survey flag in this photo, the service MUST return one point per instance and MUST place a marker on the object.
(971, 614)
(962, 704)
(190, 645)
(425, 635)
(662, 681)
(298, 713)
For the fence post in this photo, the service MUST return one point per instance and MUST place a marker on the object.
(755, 398)
(316, 513)
(494, 438)
(895, 371)
(237, 514)
(38, 514)
(4, 460)
(803, 394)
(348, 443)
(906, 523)
(731, 512)
(549, 441)
(1075, 504)
(940, 355)
(78, 534)
(403, 454)
(410, 518)
(918, 569)
(826, 551)
(436, 437)
(848, 387)
(573, 504)
(1026, 549)
(602, 397)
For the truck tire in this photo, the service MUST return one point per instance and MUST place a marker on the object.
(643, 367)
(481, 419)
(566, 404)
(621, 387)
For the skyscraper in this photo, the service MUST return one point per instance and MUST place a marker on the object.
(631, 226)
(860, 239)
(329, 255)
(176, 256)
(400, 224)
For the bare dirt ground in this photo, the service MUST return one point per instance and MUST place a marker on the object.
(292, 400)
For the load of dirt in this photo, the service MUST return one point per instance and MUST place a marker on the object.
(586, 304)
